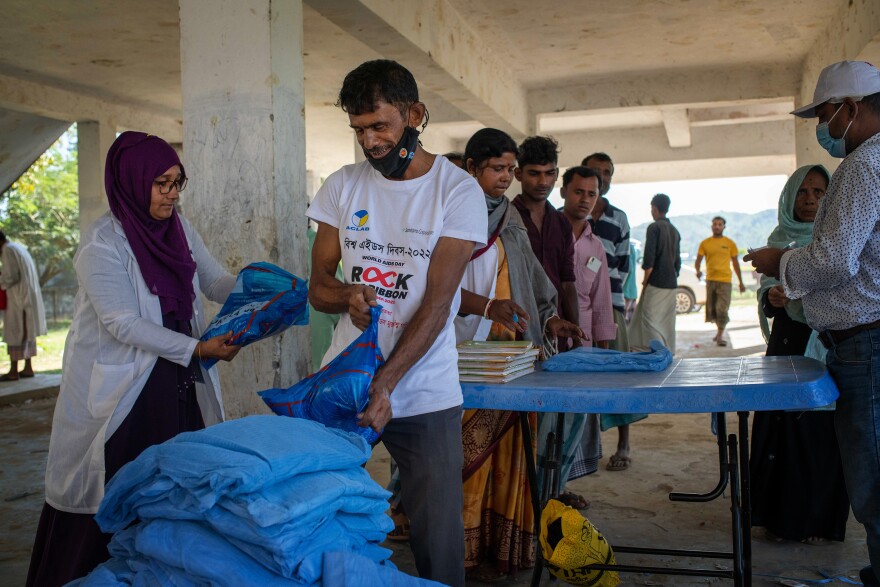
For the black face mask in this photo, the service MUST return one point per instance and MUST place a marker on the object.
(393, 165)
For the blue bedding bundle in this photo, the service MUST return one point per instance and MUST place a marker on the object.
(255, 501)
(587, 359)
(265, 301)
(338, 392)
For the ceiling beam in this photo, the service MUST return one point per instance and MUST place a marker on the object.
(436, 43)
(651, 145)
(678, 127)
(45, 100)
(688, 88)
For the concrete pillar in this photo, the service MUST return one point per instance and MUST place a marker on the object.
(93, 142)
(244, 140)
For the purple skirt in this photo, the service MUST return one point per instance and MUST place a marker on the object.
(68, 546)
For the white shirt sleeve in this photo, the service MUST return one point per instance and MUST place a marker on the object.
(103, 276)
(325, 207)
(11, 272)
(465, 215)
(843, 226)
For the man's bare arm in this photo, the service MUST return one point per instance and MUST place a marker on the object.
(739, 276)
(326, 293)
(448, 261)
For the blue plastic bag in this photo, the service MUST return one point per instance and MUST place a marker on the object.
(266, 300)
(339, 391)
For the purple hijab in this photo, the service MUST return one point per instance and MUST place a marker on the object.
(134, 160)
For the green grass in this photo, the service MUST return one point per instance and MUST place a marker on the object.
(50, 348)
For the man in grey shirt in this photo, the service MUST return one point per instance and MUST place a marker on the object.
(654, 318)
(837, 277)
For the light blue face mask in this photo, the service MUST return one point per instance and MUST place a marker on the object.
(835, 147)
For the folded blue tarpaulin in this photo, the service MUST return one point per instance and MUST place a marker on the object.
(344, 569)
(587, 359)
(228, 459)
(264, 301)
(303, 497)
(192, 554)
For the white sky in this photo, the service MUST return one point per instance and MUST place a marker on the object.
(696, 196)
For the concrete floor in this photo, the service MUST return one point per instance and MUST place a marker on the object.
(670, 453)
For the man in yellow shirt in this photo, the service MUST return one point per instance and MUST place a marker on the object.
(720, 252)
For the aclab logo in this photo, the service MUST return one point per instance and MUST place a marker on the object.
(388, 283)
(359, 221)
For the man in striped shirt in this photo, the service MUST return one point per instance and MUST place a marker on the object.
(611, 226)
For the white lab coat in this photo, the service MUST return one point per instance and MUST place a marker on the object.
(23, 298)
(114, 341)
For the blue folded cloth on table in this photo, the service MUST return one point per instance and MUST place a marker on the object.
(228, 459)
(588, 359)
(345, 569)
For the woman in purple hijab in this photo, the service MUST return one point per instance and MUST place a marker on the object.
(131, 376)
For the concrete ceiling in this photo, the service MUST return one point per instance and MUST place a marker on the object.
(556, 42)
(569, 65)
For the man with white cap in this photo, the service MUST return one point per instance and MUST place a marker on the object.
(837, 277)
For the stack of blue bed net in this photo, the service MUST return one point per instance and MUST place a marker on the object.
(263, 500)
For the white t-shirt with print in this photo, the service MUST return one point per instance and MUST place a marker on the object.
(387, 233)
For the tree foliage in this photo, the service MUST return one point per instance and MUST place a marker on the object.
(41, 209)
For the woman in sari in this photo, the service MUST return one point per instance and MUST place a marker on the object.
(505, 296)
(798, 491)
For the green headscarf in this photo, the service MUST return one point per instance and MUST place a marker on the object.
(787, 231)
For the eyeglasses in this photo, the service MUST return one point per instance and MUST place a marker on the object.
(166, 186)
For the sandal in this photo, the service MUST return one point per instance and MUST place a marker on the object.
(573, 500)
(618, 463)
(401, 528)
(721, 342)
(485, 573)
(815, 541)
(9, 377)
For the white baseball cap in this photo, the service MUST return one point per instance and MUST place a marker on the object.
(846, 79)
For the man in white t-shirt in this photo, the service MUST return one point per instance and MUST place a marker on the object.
(404, 223)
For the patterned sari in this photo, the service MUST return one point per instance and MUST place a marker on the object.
(499, 520)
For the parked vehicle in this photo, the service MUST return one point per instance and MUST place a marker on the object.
(691, 293)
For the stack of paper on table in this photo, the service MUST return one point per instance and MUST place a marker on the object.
(495, 361)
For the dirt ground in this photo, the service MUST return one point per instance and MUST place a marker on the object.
(669, 453)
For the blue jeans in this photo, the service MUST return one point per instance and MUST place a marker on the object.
(854, 365)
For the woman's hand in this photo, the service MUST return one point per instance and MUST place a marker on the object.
(560, 328)
(776, 296)
(504, 311)
(216, 348)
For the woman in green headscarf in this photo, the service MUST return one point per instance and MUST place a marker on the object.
(798, 491)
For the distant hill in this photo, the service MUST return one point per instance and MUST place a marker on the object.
(746, 230)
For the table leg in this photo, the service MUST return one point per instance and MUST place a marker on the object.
(559, 483)
(533, 490)
(721, 434)
(746, 494)
(736, 511)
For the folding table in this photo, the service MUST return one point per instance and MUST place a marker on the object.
(715, 386)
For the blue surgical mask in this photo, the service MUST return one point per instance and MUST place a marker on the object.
(835, 147)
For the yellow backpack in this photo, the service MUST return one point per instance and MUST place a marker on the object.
(570, 543)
